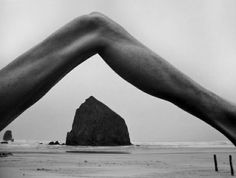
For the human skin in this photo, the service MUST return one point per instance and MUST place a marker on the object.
(24, 81)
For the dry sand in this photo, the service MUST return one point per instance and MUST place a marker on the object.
(145, 162)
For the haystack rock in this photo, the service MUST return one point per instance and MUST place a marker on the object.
(97, 125)
(8, 136)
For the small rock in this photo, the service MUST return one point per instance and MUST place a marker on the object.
(4, 142)
(8, 136)
(54, 143)
(5, 154)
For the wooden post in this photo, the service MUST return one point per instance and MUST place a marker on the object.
(231, 165)
(215, 161)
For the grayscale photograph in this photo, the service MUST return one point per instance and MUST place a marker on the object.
(117, 88)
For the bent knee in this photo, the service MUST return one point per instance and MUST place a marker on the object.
(98, 20)
(96, 14)
(107, 28)
(89, 22)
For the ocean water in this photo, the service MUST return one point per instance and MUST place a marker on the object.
(33, 146)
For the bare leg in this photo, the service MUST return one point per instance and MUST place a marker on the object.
(30, 76)
(152, 74)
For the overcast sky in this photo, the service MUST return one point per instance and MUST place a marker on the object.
(198, 37)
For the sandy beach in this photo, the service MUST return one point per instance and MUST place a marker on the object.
(147, 161)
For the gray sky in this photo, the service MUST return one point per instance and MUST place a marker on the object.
(198, 37)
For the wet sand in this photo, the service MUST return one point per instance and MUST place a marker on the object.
(134, 161)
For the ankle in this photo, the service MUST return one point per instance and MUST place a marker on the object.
(227, 122)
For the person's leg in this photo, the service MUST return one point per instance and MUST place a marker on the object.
(30, 76)
(152, 74)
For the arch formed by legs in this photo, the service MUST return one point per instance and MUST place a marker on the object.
(29, 77)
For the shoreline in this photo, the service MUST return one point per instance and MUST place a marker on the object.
(44, 161)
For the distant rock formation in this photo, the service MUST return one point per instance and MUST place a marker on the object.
(5, 154)
(97, 125)
(4, 142)
(8, 136)
(54, 143)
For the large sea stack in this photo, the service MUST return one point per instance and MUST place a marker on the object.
(97, 125)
